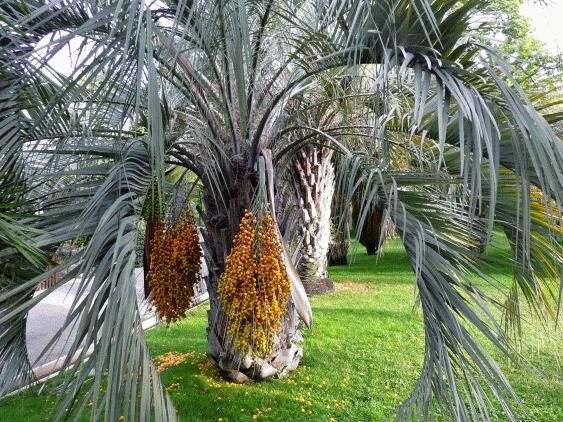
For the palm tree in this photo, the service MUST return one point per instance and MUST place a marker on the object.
(213, 83)
(340, 240)
(313, 178)
(311, 172)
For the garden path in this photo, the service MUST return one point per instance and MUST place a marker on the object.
(48, 316)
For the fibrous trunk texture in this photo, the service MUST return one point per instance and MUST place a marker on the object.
(221, 226)
(370, 234)
(340, 236)
(313, 181)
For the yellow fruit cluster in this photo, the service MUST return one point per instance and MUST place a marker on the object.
(255, 287)
(174, 267)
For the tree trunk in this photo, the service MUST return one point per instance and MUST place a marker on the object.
(370, 234)
(338, 249)
(313, 181)
(221, 226)
(340, 238)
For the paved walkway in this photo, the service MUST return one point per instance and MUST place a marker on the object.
(48, 316)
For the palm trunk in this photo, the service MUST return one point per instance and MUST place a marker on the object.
(370, 234)
(340, 239)
(313, 181)
(338, 248)
(221, 226)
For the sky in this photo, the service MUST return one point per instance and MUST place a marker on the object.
(547, 23)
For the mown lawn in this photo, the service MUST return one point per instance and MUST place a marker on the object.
(362, 358)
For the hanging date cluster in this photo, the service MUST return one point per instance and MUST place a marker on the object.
(175, 267)
(254, 287)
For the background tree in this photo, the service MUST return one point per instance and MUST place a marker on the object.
(321, 113)
(340, 229)
(313, 175)
(535, 68)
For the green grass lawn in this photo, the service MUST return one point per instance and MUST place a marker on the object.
(362, 358)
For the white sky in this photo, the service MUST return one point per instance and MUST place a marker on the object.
(547, 23)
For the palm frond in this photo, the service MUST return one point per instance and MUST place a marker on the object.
(87, 175)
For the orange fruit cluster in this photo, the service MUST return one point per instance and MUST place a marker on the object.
(254, 287)
(174, 267)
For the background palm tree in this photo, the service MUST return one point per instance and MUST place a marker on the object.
(211, 82)
(311, 172)
(313, 175)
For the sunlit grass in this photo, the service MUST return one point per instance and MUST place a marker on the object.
(362, 357)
